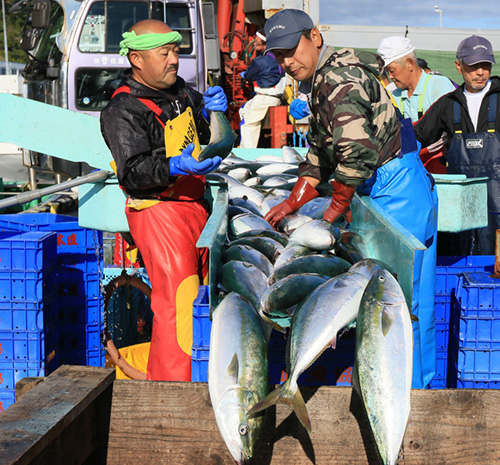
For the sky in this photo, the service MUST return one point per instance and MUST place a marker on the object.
(483, 14)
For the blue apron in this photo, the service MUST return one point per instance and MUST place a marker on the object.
(404, 189)
(477, 154)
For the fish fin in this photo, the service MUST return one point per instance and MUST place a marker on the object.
(414, 318)
(300, 409)
(387, 320)
(272, 398)
(233, 368)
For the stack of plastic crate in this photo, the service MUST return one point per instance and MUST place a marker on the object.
(28, 309)
(476, 331)
(79, 265)
(448, 270)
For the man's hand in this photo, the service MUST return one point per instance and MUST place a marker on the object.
(215, 99)
(341, 200)
(185, 164)
(301, 193)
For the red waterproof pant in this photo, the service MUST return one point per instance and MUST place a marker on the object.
(166, 236)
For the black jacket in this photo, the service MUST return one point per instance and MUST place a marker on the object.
(136, 138)
(439, 117)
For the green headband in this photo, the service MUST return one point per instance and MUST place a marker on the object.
(131, 41)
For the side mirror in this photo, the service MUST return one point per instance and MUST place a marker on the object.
(40, 15)
(30, 38)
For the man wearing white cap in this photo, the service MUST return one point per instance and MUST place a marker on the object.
(470, 116)
(416, 90)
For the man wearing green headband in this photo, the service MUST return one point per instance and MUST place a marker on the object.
(166, 210)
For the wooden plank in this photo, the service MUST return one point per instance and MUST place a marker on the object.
(25, 385)
(173, 423)
(63, 420)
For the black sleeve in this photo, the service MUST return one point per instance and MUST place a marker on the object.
(140, 165)
(430, 127)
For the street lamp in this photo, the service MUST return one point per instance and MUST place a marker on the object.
(437, 10)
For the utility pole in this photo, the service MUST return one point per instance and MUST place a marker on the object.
(6, 46)
(437, 10)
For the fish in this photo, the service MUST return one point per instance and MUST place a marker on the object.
(271, 201)
(247, 204)
(265, 232)
(270, 247)
(291, 222)
(290, 155)
(269, 159)
(288, 292)
(240, 174)
(316, 234)
(221, 137)
(277, 168)
(247, 254)
(237, 374)
(253, 181)
(330, 266)
(279, 180)
(315, 325)
(383, 358)
(245, 222)
(291, 252)
(237, 189)
(315, 207)
(368, 267)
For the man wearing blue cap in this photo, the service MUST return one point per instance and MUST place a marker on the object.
(356, 142)
(470, 116)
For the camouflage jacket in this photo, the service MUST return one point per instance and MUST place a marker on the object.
(353, 128)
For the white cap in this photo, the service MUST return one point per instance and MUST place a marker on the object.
(393, 48)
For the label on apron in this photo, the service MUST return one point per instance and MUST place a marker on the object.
(179, 133)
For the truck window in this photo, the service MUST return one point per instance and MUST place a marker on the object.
(106, 21)
(95, 86)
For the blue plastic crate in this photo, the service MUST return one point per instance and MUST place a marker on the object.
(478, 368)
(12, 371)
(448, 268)
(33, 286)
(81, 313)
(91, 357)
(32, 250)
(29, 345)
(202, 325)
(70, 235)
(86, 261)
(74, 285)
(16, 315)
(476, 321)
(199, 364)
(7, 398)
(79, 338)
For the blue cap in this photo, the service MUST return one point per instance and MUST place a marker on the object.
(284, 29)
(475, 49)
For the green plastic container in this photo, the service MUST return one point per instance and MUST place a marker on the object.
(462, 202)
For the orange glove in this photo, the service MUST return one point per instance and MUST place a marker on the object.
(301, 193)
(341, 201)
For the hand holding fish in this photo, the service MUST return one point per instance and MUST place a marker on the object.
(301, 194)
(215, 99)
(185, 164)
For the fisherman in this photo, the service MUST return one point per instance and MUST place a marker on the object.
(355, 137)
(269, 83)
(470, 116)
(165, 209)
(416, 90)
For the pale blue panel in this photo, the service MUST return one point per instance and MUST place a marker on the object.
(52, 130)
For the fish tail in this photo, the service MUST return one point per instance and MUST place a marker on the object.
(286, 394)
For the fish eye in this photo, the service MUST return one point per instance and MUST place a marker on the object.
(243, 430)
(381, 278)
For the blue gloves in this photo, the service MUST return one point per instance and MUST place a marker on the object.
(299, 109)
(242, 75)
(186, 164)
(215, 99)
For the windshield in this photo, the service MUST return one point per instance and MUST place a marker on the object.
(106, 21)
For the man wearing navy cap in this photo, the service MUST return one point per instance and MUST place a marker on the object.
(470, 116)
(355, 142)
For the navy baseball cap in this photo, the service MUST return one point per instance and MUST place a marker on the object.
(284, 29)
(475, 49)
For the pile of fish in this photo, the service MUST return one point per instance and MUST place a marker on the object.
(310, 279)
